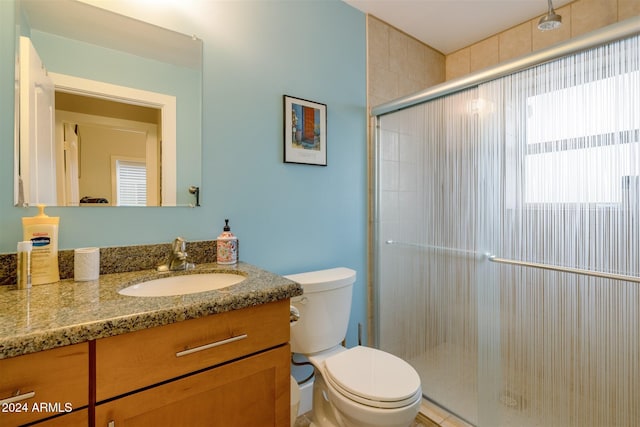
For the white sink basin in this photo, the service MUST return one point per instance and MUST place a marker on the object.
(182, 285)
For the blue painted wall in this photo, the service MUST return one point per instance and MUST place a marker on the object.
(289, 218)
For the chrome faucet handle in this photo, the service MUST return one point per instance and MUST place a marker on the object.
(179, 245)
(178, 259)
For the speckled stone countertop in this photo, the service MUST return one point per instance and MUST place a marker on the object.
(69, 312)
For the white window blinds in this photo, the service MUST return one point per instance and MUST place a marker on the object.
(131, 181)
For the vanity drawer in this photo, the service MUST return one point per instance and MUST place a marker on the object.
(252, 391)
(50, 382)
(139, 359)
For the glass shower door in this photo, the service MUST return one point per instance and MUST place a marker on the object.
(507, 243)
(427, 239)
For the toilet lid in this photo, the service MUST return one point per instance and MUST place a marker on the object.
(371, 376)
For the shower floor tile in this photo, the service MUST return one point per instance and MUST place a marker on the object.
(449, 378)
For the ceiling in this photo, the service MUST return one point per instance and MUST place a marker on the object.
(449, 25)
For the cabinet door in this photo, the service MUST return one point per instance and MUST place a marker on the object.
(73, 419)
(253, 391)
(40, 385)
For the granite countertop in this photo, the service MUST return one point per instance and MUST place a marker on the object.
(69, 312)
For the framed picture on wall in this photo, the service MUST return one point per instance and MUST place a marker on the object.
(305, 131)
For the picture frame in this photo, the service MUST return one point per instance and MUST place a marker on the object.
(305, 131)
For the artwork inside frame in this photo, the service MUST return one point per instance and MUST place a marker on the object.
(305, 131)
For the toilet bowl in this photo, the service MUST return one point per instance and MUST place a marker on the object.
(356, 387)
(364, 387)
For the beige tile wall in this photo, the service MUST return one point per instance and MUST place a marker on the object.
(398, 64)
(578, 17)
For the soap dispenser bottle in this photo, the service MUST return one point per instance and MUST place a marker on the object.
(227, 246)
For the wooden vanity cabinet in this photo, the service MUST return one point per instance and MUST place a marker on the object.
(51, 382)
(228, 369)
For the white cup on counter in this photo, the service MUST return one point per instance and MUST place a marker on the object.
(86, 264)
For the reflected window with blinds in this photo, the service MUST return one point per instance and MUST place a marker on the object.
(131, 182)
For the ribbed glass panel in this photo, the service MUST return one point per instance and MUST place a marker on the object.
(542, 166)
(428, 186)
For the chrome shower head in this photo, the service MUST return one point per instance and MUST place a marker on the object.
(551, 20)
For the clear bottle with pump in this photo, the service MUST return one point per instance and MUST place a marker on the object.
(24, 265)
(227, 246)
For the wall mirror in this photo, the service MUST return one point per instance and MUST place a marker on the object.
(108, 109)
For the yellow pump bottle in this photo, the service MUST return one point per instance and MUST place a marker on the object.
(42, 231)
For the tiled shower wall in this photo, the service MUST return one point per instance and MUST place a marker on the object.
(398, 64)
(578, 17)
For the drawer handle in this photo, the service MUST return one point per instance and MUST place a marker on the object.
(208, 346)
(18, 397)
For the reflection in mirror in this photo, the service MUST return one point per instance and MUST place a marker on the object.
(108, 109)
(105, 139)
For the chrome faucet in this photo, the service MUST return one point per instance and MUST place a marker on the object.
(178, 260)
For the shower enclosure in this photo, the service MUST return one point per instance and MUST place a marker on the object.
(507, 239)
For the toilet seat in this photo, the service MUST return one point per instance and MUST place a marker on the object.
(373, 377)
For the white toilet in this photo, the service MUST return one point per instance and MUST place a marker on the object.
(361, 386)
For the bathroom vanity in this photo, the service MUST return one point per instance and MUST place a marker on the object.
(91, 356)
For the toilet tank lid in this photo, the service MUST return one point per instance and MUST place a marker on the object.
(324, 280)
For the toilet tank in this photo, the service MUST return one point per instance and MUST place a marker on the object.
(324, 309)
